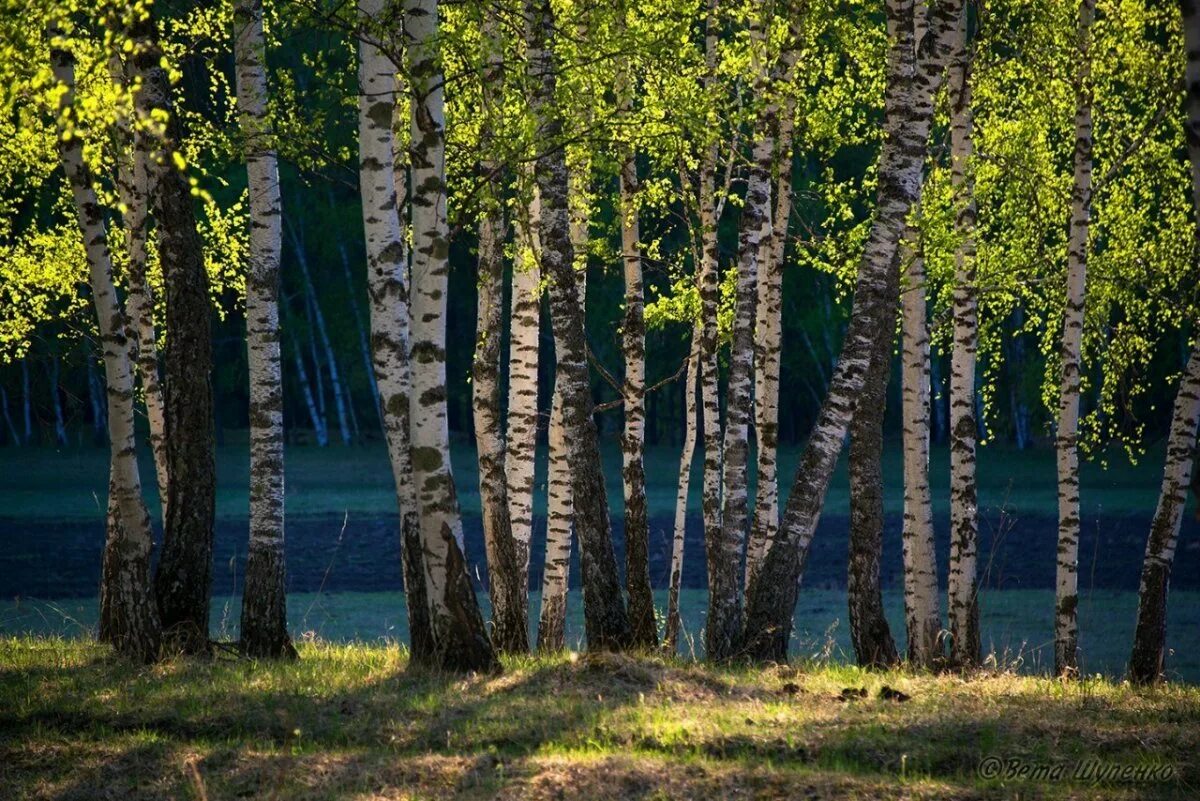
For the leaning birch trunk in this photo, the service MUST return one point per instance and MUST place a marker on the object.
(605, 617)
(768, 338)
(387, 259)
(459, 635)
(913, 77)
(709, 282)
(132, 188)
(183, 583)
(869, 631)
(724, 622)
(633, 439)
(686, 457)
(263, 629)
(922, 613)
(128, 617)
(1150, 635)
(1149, 638)
(1066, 442)
(963, 590)
(522, 422)
(506, 562)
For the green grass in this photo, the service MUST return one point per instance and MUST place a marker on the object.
(71, 484)
(1017, 625)
(352, 722)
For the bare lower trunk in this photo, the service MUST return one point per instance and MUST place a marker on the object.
(264, 630)
(963, 590)
(686, 457)
(1149, 639)
(908, 106)
(506, 562)
(922, 615)
(605, 617)
(869, 632)
(633, 440)
(522, 424)
(1066, 627)
(183, 584)
(387, 259)
(459, 636)
(60, 426)
(128, 617)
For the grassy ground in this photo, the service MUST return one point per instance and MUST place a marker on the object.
(71, 484)
(350, 722)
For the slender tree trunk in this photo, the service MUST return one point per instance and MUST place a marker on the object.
(963, 591)
(686, 457)
(769, 335)
(128, 617)
(633, 439)
(922, 614)
(908, 108)
(710, 295)
(132, 189)
(13, 433)
(322, 335)
(26, 401)
(387, 259)
(1066, 627)
(264, 601)
(605, 617)
(1149, 638)
(869, 631)
(724, 622)
(310, 402)
(506, 561)
(60, 426)
(460, 638)
(522, 421)
(183, 584)
(1150, 635)
(360, 328)
(95, 393)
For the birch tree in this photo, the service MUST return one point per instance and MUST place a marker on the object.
(128, 617)
(605, 616)
(460, 639)
(963, 592)
(915, 72)
(505, 560)
(264, 601)
(1146, 662)
(679, 531)
(183, 582)
(1066, 443)
(387, 287)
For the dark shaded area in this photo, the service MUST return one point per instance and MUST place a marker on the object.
(62, 559)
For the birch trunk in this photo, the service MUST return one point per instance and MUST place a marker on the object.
(913, 77)
(768, 337)
(26, 402)
(132, 189)
(522, 423)
(13, 433)
(360, 329)
(183, 583)
(869, 631)
(460, 638)
(922, 612)
(128, 617)
(724, 622)
(264, 630)
(60, 427)
(1150, 635)
(387, 259)
(963, 590)
(1066, 627)
(506, 562)
(633, 440)
(686, 457)
(710, 294)
(605, 617)
(310, 402)
(1149, 639)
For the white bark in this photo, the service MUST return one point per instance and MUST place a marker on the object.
(686, 457)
